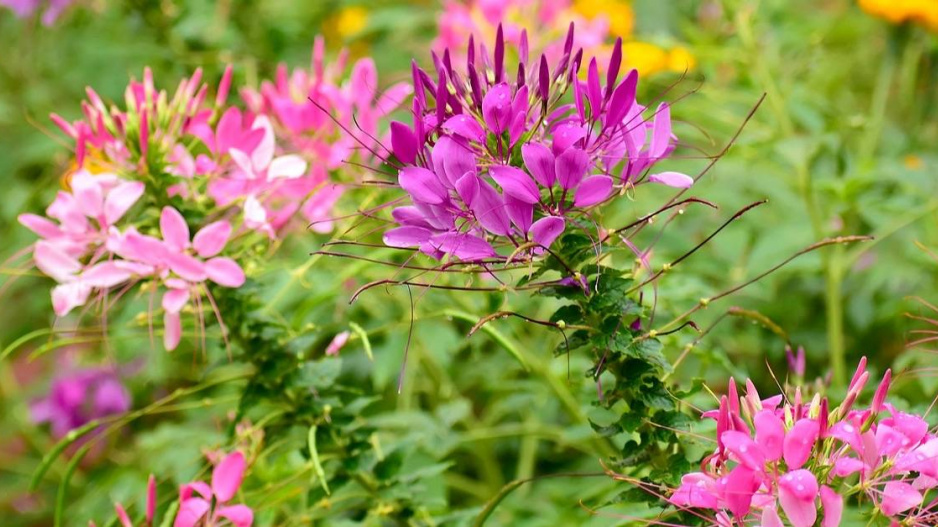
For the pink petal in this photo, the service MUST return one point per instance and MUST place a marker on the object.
(571, 166)
(744, 449)
(899, 497)
(672, 179)
(191, 512)
(737, 490)
(122, 515)
(545, 230)
(54, 262)
(592, 190)
(489, 209)
(800, 441)
(406, 236)
(520, 213)
(770, 434)
(175, 299)
(211, 239)
(226, 478)
(661, 136)
(40, 225)
(540, 163)
(172, 330)
(797, 492)
(88, 194)
(104, 275)
(238, 515)
(515, 183)
(120, 199)
(187, 267)
(452, 160)
(66, 297)
(845, 466)
(364, 82)
(696, 490)
(566, 135)
(225, 272)
(422, 185)
(174, 229)
(200, 487)
(833, 505)
(228, 131)
(151, 499)
(770, 518)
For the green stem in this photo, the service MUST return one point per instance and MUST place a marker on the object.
(835, 315)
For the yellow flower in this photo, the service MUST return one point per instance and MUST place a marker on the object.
(913, 162)
(680, 60)
(647, 58)
(350, 21)
(924, 12)
(618, 12)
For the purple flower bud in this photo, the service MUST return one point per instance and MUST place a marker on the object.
(612, 73)
(568, 43)
(499, 54)
(543, 85)
(471, 54)
(594, 89)
(404, 142)
(523, 47)
(496, 108)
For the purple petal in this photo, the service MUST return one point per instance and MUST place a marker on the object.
(672, 179)
(622, 99)
(540, 163)
(520, 213)
(407, 236)
(515, 183)
(489, 209)
(465, 126)
(571, 166)
(661, 136)
(594, 90)
(545, 230)
(464, 246)
(468, 188)
(422, 185)
(452, 159)
(409, 216)
(592, 190)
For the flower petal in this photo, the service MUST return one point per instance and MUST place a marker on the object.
(226, 478)
(672, 179)
(799, 442)
(899, 497)
(833, 505)
(174, 229)
(54, 263)
(172, 330)
(592, 190)
(225, 272)
(404, 143)
(466, 247)
(770, 434)
(287, 167)
(238, 515)
(422, 185)
(406, 236)
(515, 183)
(175, 299)
(496, 108)
(120, 199)
(571, 166)
(211, 239)
(540, 163)
(545, 230)
(797, 491)
(191, 512)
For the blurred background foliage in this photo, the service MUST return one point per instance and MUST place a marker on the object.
(843, 143)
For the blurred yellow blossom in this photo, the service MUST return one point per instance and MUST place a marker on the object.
(680, 60)
(924, 12)
(350, 21)
(649, 59)
(913, 162)
(619, 14)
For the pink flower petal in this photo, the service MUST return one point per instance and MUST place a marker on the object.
(238, 515)
(540, 163)
(225, 272)
(40, 225)
(120, 199)
(404, 143)
(515, 183)
(175, 299)
(54, 262)
(174, 229)
(422, 185)
(172, 330)
(191, 512)
(744, 449)
(770, 518)
(570, 167)
(799, 442)
(833, 505)
(464, 126)
(104, 275)
(770, 434)
(466, 247)
(797, 491)
(187, 267)
(899, 497)
(226, 478)
(211, 239)
(406, 236)
(66, 297)
(287, 167)
(496, 108)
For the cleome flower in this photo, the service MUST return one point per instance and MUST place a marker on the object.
(207, 505)
(799, 461)
(502, 159)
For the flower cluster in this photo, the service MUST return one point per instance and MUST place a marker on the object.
(326, 121)
(779, 457)
(161, 167)
(501, 157)
(599, 22)
(78, 397)
(924, 12)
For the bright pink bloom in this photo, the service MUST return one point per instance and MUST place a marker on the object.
(204, 505)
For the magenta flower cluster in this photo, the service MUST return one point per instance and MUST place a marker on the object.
(788, 458)
(499, 157)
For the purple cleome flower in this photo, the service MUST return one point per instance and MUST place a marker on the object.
(497, 160)
(80, 397)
